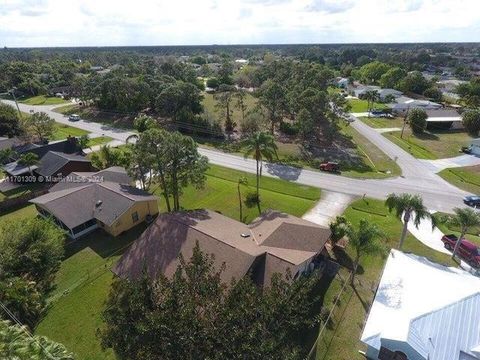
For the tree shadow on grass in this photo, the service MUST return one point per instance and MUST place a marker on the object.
(342, 257)
(365, 304)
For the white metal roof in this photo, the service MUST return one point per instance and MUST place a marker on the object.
(423, 303)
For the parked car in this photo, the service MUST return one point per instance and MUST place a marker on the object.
(466, 149)
(467, 250)
(330, 166)
(472, 200)
(74, 117)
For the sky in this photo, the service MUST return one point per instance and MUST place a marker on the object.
(40, 23)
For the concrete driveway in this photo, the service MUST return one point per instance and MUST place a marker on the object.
(331, 205)
(438, 165)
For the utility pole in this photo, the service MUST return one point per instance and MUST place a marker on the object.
(12, 91)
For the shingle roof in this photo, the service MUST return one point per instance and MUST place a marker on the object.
(282, 240)
(53, 161)
(103, 201)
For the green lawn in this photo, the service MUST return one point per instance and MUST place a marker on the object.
(381, 123)
(99, 140)
(466, 178)
(220, 194)
(374, 163)
(431, 145)
(344, 337)
(43, 100)
(18, 213)
(62, 131)
(446, 228)
(358, 105)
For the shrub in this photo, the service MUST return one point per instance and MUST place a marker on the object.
(251, 200)
(417, 118)
(471, 121)
(289, 128)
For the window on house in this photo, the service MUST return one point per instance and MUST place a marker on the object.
(135, 217)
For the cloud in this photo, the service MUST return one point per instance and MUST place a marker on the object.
(159, 22)
(330, 6)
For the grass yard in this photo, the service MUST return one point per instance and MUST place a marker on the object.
(446, 228)
(22, 190)
(375, 164)
(114, 119)
(466, 178)
(43, 100)
(381, 123)
(220, 194)
(358, 105)
(82, 287)
(99, 140)
(431, 145)
(62, 131)
(18, 213)
(344, 338)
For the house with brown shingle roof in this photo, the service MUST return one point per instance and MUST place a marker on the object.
(86, 201)
(273, 243)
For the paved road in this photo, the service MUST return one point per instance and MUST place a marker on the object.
(437, 194)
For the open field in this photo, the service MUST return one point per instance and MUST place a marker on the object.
(381, 123)
(344, 338)
(431, 145)
(358, 105)
(43, 100)
(465, 178)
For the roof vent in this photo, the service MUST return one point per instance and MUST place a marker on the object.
(244, 235)
(98, 203)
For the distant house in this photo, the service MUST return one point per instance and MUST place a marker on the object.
(475, 147)
(385, 93)
(404, 103)
(342, 82)
(86, 201)
(423, 311)
(273, 243)
(443, 119)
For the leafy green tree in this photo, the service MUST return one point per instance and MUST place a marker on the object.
(9, 122)
(31, 250)
(365, 241)
(372, 72)
(199, 60)
(143, 123)
(464, 219)
(262, 146)
(338, 228)
(253, 122)
(28, 159)
(107, 157)
(225, 73)
(433, 93)
(194, 315)
(178, 99)
(16, 343)
(471, 121)
(213, 83)
(83, 142)
(41, 125)
(414, 82)
(240, 104)
(120, 93)
(470, 93)
(391, 79)
(407, 205)
(224, 97)
(272, 96)
(417, 118)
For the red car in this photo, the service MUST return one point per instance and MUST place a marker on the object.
(330, 166)
(466, 251)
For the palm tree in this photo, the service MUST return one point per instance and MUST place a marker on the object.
(6, 155)
(262, 146)
(82, 142)
(29, 160)
(408, 205)
(364, 240)
(241, 181)
(464, 219)
(372, 96)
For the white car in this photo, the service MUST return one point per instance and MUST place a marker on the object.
(74, 117)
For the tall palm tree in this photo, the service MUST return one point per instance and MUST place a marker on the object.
(408, 205)
(262, 146)
(29, 160)
(372, 96)
(465, 219)
(364, 240)
(241, 181)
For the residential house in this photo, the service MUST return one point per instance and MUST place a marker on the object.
(342, 82)
(405, 103)
(273, 243)
(443, 119)
(423, 311)
(84, 202)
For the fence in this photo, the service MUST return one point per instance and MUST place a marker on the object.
(21, 200)
(320, 348)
